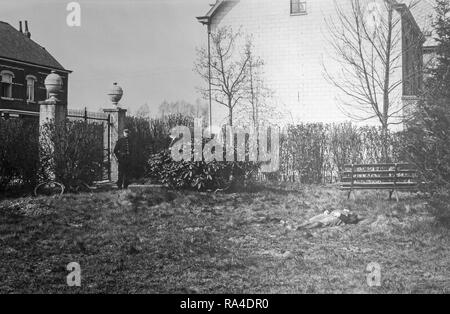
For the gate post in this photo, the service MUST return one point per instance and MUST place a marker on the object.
(115, 129)
(52, 114)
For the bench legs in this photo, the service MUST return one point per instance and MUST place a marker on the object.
(392, 192)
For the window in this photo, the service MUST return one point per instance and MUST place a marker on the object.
(7, 82)
(31, 81)
(298, 7)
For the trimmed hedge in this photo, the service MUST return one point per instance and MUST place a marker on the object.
(315, 153)
(77, 153)
(19, 153)
(25, 161)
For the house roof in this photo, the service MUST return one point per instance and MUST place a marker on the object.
(423, 13)
(18, 47)
(214, 7)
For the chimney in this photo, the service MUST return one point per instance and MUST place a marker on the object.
(27, 33)
(20, 27)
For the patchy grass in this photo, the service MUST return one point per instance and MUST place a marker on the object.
(154, 241)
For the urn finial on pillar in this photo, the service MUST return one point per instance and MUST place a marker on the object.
(53, 83)
(115, 94)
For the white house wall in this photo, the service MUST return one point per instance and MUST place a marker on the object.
(294, 48)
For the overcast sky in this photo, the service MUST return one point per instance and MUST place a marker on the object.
(147, 46)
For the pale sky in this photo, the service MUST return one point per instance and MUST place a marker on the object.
(147, 46)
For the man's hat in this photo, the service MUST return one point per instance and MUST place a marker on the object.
(126, 130)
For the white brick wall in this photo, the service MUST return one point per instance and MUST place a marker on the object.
(294, 49)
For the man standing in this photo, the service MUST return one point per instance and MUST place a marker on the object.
(122, 152)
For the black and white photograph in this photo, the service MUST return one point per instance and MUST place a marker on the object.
(224, 152)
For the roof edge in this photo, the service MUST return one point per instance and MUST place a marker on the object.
(207, 17)
(36, 65)
(404, 9)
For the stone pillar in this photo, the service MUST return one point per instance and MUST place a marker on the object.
(52, 114)
(52, 110)
(117, 125)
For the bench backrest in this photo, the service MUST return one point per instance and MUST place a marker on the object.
(379, 175)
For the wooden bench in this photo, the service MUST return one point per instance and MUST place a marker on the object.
(392, 177)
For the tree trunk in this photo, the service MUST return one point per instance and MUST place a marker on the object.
(230, 114)
(385, 143)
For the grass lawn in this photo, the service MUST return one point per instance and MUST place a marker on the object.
(152, 241)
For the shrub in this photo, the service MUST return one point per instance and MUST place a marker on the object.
(316, 152)
(19, 157)
(199, 176)
(440, 205)
(306, 145)
(150, 136)
(345, 144)
(77, 153)
(428, 142)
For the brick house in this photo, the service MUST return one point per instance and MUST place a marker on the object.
(290, 36)
(24, 65)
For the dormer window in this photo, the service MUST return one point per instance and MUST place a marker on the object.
(31, 82)
(298, 7)
(7, 82)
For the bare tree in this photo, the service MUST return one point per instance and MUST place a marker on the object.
(257, 107)
(367, 44)
(143, 111)
(229, 69)
(199, 110)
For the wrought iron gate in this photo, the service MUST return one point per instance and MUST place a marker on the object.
(103, 120)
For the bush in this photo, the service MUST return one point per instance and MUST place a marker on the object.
(440, 205)
(303, 152)
(428, 142)
(199, 176)
(316, 152)
(77, 154)
(150, 136)
(19, 153)
(345, 144)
